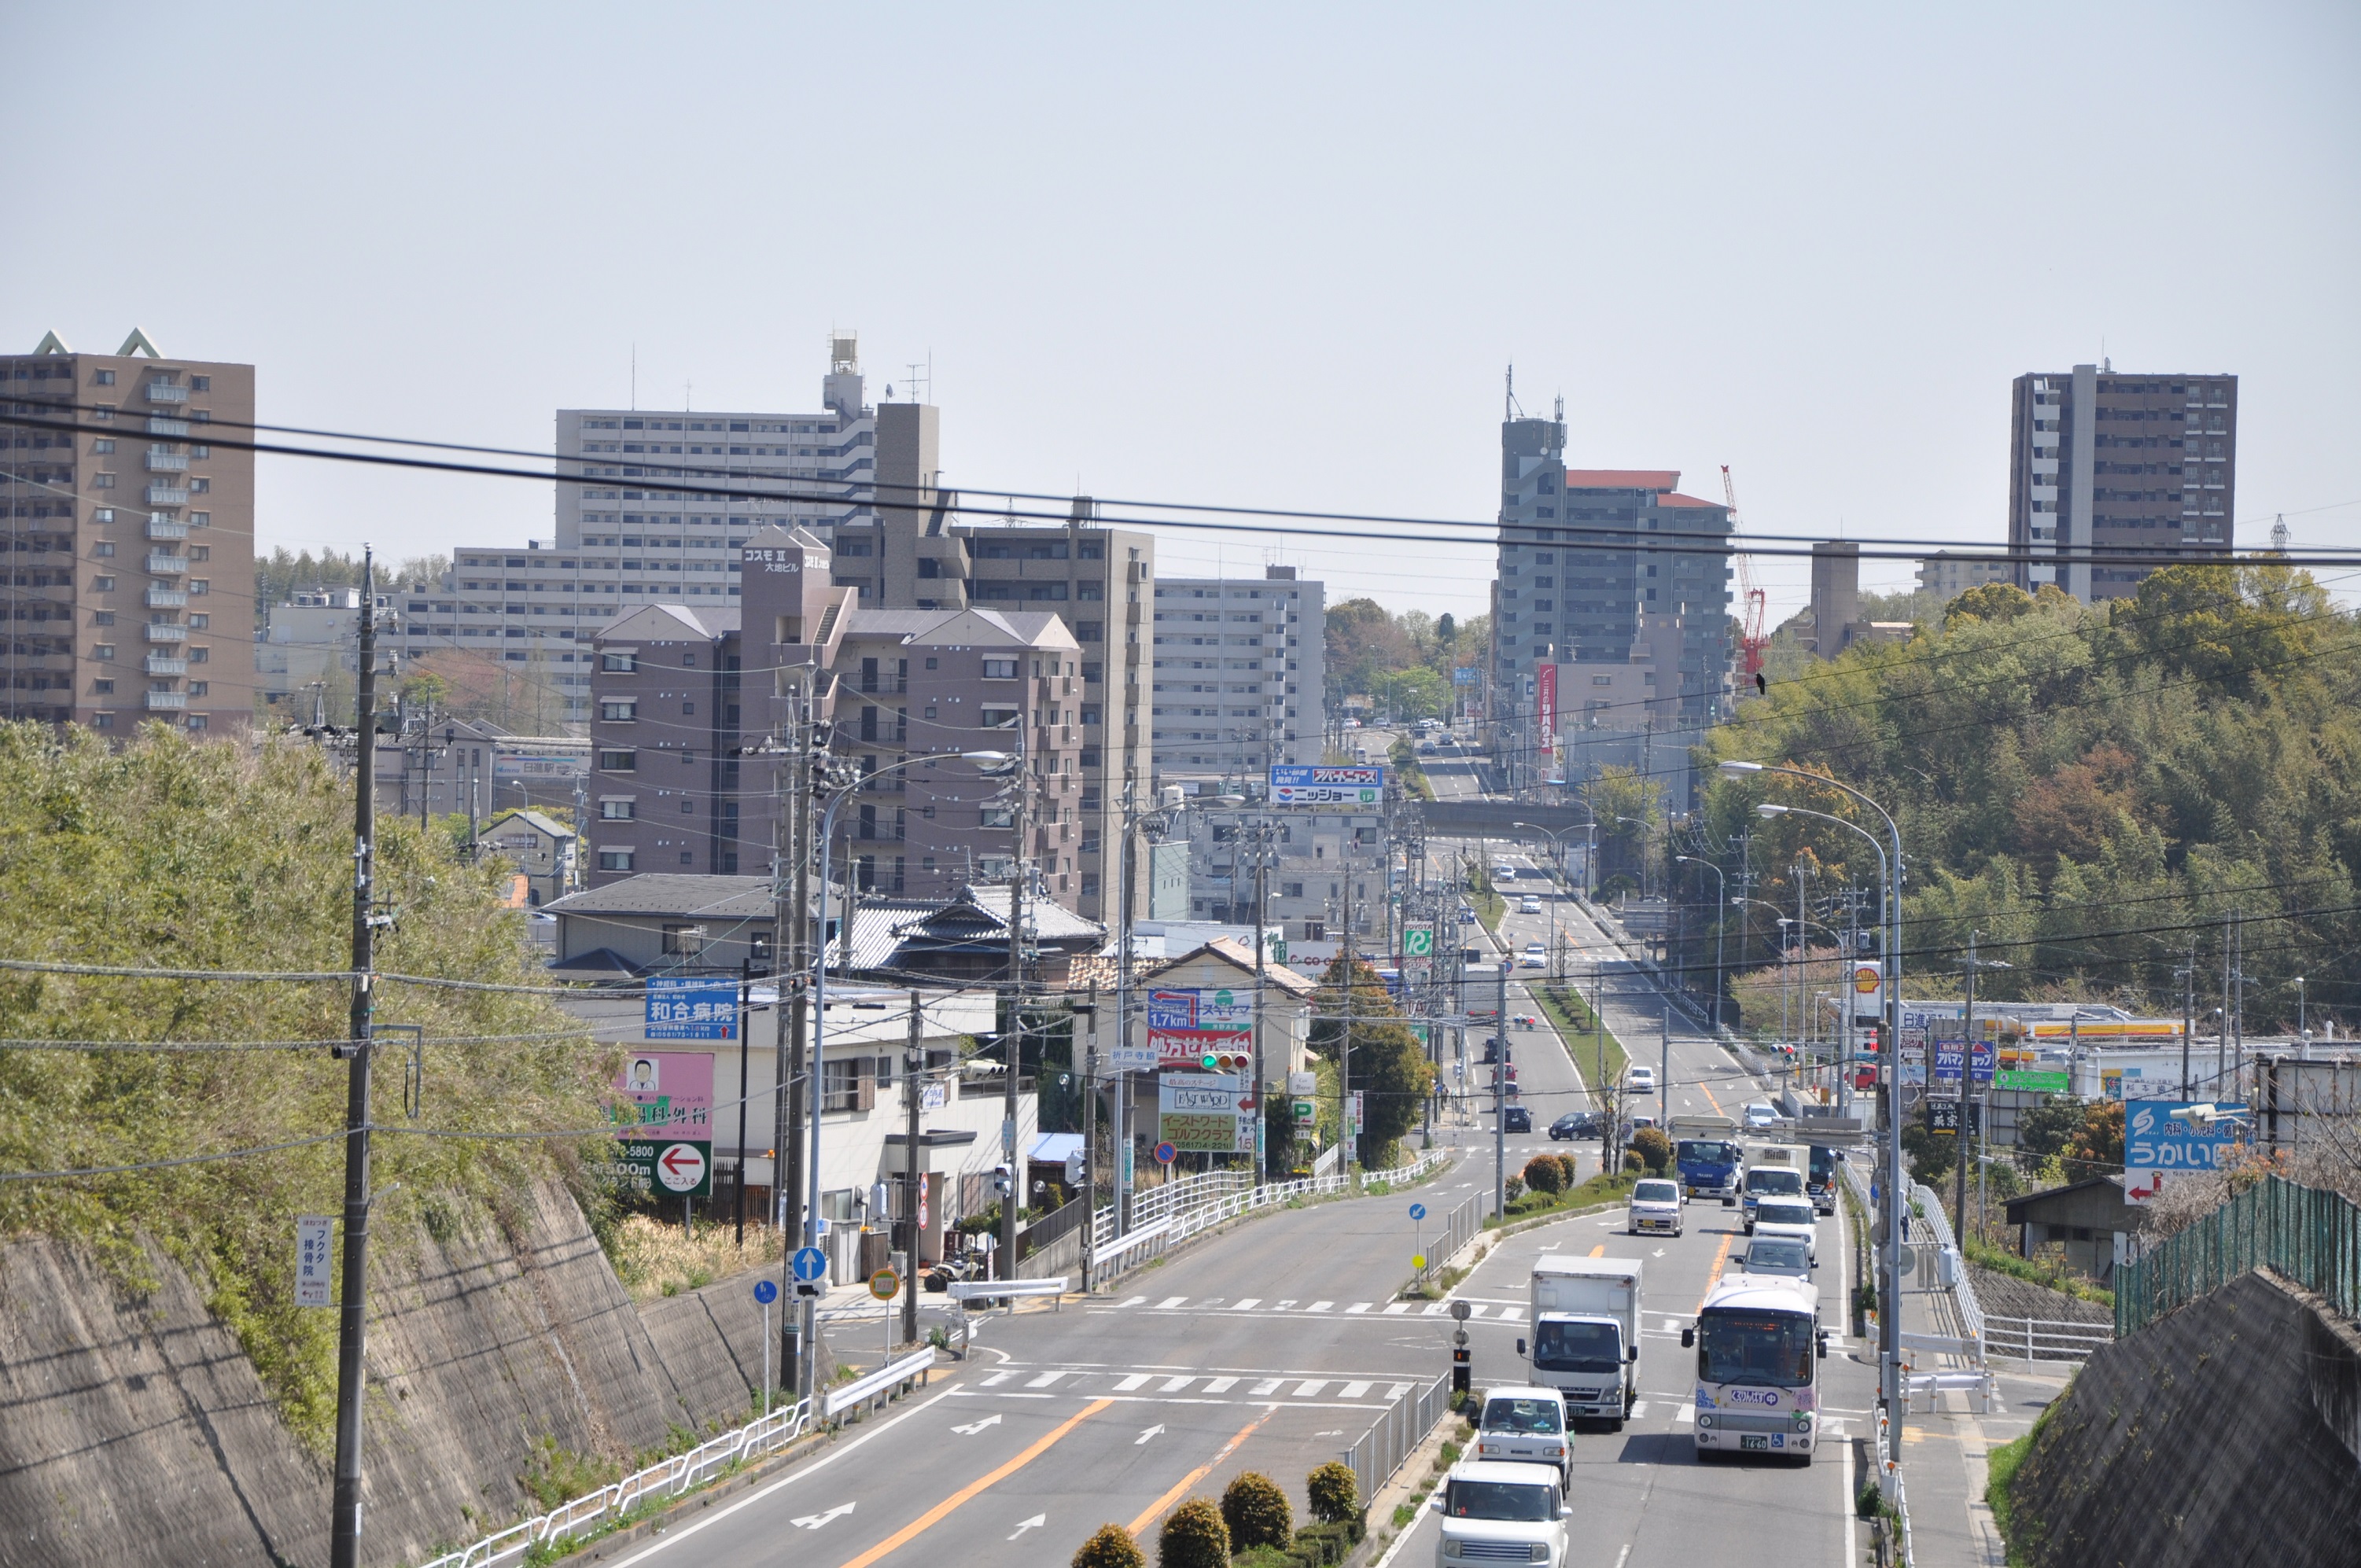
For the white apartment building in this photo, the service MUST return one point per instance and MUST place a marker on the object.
(620, 544)
(1241, 674)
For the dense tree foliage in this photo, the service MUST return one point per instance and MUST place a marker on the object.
(2095, 789)
(1389, 1064)
(1403, 661)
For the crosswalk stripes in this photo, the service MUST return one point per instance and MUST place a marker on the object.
(1684, 1414)
(1494, 1312)
(1152, 1384)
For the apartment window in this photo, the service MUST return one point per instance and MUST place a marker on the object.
(999, 718)
(101, 481)
(620, 664)
(101, 617)
(999, 669)
(199, 621)
(103, 651)
(200, 655)
(102, 445)
(104, 547)
(200, 688)
(102, 585)
(103, 687)
(1091, 630)
(619, 761)
(201, 383)
(102, 378)
(615, 859)
(199, 487)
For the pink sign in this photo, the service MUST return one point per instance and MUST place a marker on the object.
(671, 1093)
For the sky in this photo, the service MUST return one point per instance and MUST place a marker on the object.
(1272, 254)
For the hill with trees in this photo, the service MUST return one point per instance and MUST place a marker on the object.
(1401, 662)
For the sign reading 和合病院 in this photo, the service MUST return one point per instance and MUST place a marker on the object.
(692, 1007)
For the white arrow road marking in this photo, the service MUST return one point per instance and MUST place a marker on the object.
(1638, 1409)
(1683, 1414)
(813, 1521)
(1143, 1437)
(975, 1427)
(1658, 1253)
(1035, 1522)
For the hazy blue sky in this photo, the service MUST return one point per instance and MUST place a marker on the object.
(1264, 254)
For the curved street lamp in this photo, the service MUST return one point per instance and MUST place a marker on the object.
(1721, 899)
(1890, 1296)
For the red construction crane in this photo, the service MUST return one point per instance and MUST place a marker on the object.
(1753, 639)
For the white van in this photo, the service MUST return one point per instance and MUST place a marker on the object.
(1525, 1426)
(1500, 1513)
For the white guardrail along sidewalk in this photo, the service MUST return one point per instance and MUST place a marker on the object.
(1163, 1216)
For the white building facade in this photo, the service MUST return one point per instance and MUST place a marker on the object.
(1240, 675)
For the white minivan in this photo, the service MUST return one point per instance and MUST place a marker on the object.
(1525, 1426)
(1500, 1513)
(1640, 1079)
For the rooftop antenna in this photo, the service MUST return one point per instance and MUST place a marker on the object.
(1511, 411)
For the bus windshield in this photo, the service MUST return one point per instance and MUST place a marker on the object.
(1705, 1151)
(1576, 1347)
(1767, 1349)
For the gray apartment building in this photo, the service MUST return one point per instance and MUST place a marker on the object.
(2142, 469)
(1241, 674)
(680, 693)
(122, 520)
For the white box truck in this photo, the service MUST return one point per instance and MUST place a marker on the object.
(1585, 1334)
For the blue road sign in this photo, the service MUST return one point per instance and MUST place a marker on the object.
(766, 1291)
(1418, 1211)
(810, 1264)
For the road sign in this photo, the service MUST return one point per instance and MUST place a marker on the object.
(766, 1291)
(685, 1168)
(1461, 1311)
(1418, 1211)
(1983, 1057)
(638, 1164)
(809, 1262)
(1418, 1260)
(315, 1243)
(885, 1284)
(693, 1007)
(1131, 1058)
(1305, 1111)
(1166, 1153)
(1418, 940)
(2044, 1080)
(2163, 1142)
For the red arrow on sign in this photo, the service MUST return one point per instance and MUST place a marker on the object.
(672, 1158)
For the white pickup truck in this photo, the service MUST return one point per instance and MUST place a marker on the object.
(1585, 1332)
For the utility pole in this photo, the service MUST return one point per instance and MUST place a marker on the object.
(2188, 976)
(352, 1326)
(745, 1016)
(1500, 1098)
(1966, 1074)
(790, 919)
(914, 1089)
(2222, 1049)
(1262, 895)
(1011, 1200)
(1090, 1066)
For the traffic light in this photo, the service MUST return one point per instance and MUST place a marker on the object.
(1461, 1372)
(1224, 1061)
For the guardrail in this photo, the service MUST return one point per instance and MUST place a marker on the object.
(668, 1478)
(1374, 1456)
(1963, 1293)
(2042, 1339)
(1170, 1214)
(869, 1385)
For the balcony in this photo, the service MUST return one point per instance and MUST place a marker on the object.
(175, 429)
(165, 528)
(166, 700)
(167, 496)
(166, 392)
(166, 462)
(161, 598)
(158, 631)
(166, 665)
(166, 565)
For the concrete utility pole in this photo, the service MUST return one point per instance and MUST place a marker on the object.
(352, 1326)
(914, 1175)
(1261, 1077)
(1500, 1098)
(2188, 977)
(1960, 1197)
(1012, 1199)
(1090, 1072)
(790, 957)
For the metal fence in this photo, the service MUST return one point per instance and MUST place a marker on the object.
(2312, 1237)
(667, 1478)
(2044, 1339)
(1163, 1217)
(1459, 1227)
(1379, 1452)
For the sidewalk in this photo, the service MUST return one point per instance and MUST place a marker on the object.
(1943, 1453)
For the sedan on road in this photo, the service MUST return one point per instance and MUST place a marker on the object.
(1788, 1217)
(1761, 1115)
(1655, 1207)
(1529, 904)
(1535, 957)
(1641, 1080)
(1516, 1119)
(1778, 1254)
(1576, 1124)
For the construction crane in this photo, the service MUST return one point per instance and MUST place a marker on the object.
(1753, 639)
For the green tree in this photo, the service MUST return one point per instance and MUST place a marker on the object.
(1544, 1174)
(1193, 1537)
(1334, 1492)
(1655, 1149)
(1388, 1064)
(1110, 1547)
(1256, 1509)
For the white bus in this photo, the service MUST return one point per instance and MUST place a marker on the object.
(1759, 1348)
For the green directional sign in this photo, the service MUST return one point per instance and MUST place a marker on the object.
(1418, 941)
(2040, 1081)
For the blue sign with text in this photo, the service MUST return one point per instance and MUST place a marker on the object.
(692, 1007)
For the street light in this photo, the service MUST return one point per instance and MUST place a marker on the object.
(1890, 1297)
(809, 1346)
(1721, 897)
(1553, 839)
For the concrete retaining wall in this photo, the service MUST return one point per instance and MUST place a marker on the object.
(2229, 1431)
(138, 1430)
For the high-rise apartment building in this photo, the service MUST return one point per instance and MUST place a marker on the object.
(1241, 674)
(1606, 568)
(126, 533)
(620, 544)
(2139, 468)
(1946, 575)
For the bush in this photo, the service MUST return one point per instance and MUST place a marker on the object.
(1633, 1160)
(1651, 1145)
(1193, 1537)
(1513, 1188)
(1258, 1512)
(1544, 1174)
(1112, 1547)
(1334, 1492)
(1566, 1168)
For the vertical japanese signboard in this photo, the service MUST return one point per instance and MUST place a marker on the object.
(316, 1251)
(1545, 697)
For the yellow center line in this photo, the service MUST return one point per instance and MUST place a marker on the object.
(1719, 1257)
(935, 1515)
(1706, 1089)
(1598, 1250)
(1157, 1507)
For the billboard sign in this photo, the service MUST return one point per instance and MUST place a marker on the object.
(1545, 688)
(2161, 1142)
(1868, 990)
(1466, 676)
(1303, 784)
(1187, 1024)
(1202, 1113)
(664, 1114)
(2038, 1081)
(1983, 1057)
(692, 1007)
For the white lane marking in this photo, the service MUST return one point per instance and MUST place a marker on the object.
(1673, 1325)
(813, 1521)
(1434, 1309)
(1221, 1385)
(1134, 1301)
(1284, 1306)
(1137, 1380)
(1151, 1432)
(1638, 1409)
(1042, 1380)
(1169, 1303)
(1356, 1307)
(975, 1427)
(1396, 1309)
(1035, 1522)
(1684, 1414)
(1268, 1385)
(1174, 1384)
(1396, 1390)
(1319, 1306)
(995, 1380)
(1352, 1390)
(1512, 1314)
(1476, 1310)
(1310, 1390)
(1247, 1305)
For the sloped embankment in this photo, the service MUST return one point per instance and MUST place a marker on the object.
(138, 1431)
(2227, 1433)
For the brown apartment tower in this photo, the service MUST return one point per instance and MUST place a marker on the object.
(128, 534)
(2110, 474)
